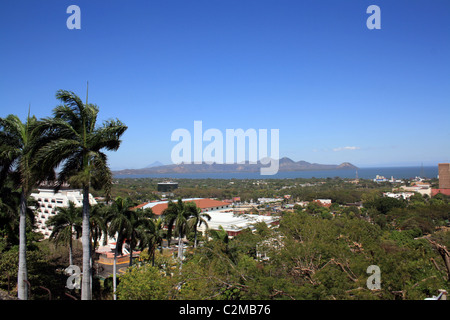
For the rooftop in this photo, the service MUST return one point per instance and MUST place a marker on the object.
(203, 203)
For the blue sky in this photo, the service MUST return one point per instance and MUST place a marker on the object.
(336, 90)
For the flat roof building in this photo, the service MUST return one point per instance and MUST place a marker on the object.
(167, 186)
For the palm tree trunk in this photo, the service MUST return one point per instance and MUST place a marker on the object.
(86, 293)
(70, 252)
(131, 253)
(22, 288)
(153, 255)
(195, 236)
(115, 272)
(180, 248)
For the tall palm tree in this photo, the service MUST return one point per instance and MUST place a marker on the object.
(119, 227)
(156, 239)
(140, 224)
(197, 219)
(17, 140)
(66, 223)
(75, 144)
(151, 232)
(176, 215)
(98, 215)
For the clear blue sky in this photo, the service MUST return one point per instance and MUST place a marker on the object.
(311, 69)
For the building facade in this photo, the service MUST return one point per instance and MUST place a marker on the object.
(48, 203)
(167, 186)
(444, 175)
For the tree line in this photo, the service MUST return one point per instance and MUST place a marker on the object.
(30, 152)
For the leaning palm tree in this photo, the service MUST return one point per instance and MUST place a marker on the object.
(176, 215)
(66, 224)
(17, 140)
(74, 143)
(197, 219)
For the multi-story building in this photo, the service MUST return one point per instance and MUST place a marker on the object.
(444, 175)
(48, 203)
(444, 180)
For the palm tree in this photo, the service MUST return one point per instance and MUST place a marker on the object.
(17, 140)
(9, 213)
(66, 223)
(119, 227)
(158, 238)
(140, 224)
(152, 234)
(74, 142)
(177, 215)
(221, 234)
(98, 214)
(197, 219)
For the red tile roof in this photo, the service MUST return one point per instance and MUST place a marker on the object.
(200, 203)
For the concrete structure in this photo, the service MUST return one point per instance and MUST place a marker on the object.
(444, 175)
(323, 202)
(444, 180)
(379, 178)
(421, 188)
(404, 195)
(167, 186)
(234, 224)
(49, 202)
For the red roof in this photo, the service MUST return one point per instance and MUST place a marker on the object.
(200, 203)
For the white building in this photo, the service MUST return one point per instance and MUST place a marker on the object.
(404, 195)
(49, 202)
(234, 224)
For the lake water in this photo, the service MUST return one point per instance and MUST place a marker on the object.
(363, 173)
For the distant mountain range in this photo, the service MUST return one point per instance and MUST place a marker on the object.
(285, 164)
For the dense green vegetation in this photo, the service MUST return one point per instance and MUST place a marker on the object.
(312, 256)
(314, 253)
(336, 189)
